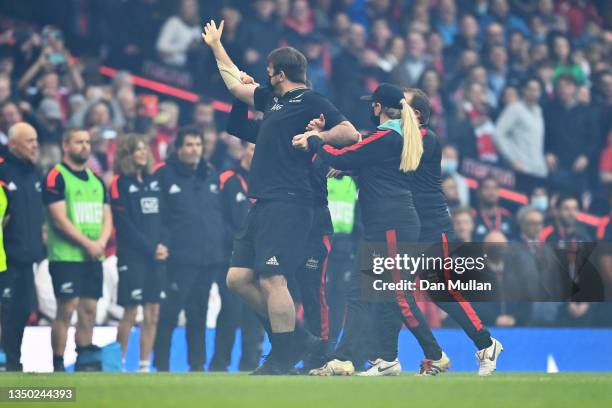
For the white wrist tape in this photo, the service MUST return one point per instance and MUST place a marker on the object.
(230, 75)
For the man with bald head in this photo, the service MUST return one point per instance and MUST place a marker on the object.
(22, 235)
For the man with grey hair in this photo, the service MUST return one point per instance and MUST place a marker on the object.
(22, 235)
(536, 263)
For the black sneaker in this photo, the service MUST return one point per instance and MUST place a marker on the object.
(58, 365)
(311, 350)
(272, 366)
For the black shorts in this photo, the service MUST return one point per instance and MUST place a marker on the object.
(140, 281)
(273, 239)
(76, 279)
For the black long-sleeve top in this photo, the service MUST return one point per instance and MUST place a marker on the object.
(385, 192)
(137, 215)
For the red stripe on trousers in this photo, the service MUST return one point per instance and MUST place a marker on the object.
(400, 296)
(465, 305)
(322, 297)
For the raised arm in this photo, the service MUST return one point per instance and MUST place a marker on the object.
(229, 72)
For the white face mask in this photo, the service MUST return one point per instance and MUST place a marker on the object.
(541, 203)
(449, 166)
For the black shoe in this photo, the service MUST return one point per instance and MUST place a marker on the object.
(89, 358)
(317, 357)
(272, 366)
(58, 364)
(310, 348)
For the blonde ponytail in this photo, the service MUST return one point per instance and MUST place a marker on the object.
(413, 144)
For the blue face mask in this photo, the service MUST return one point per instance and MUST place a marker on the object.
(449, 166)
(541, 203)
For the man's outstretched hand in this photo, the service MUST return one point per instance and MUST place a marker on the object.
(211, 34)
(317, 124)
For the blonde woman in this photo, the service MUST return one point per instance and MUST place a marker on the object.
(384, 162)
(141, 248)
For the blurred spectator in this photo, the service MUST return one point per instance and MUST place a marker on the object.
(450, 168)
(561, 51)
(431, 83)
(319, 66)
(497, 74)
(451, 193)
(519, 134)
(506, 311)
(571, 137)
(446, 21)
(490, 216)
(299, 24)
(349, 77)
(463, 222)
(203, 114)
(408, 71)
(180, 33)
(262, 35)
(500, 13)
(472, 129)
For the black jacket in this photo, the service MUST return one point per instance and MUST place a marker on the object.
(192, 213)
(23, 233)
(235, 203)
(137, 214)
(385, 192)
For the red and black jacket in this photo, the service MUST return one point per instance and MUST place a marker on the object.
(385, 192)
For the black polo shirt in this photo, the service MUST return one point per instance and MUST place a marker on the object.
(279, 171)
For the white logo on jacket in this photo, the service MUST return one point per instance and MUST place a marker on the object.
(174, 189)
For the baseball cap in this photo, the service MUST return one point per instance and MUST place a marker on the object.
(387, 95)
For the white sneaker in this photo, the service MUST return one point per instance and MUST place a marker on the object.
(380, 367)
(487, 358)
(334, 367)
(431, 368)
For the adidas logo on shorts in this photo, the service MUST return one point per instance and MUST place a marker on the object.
(272, 261)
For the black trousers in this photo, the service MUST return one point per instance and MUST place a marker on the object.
(188, 289)
(378, 335)
(17, 301)
(342, 263)
(311, 280)
(235, 314)
(452, 301)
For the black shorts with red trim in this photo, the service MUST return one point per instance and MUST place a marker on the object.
(274, 238)
(140, 281)
(76, 279)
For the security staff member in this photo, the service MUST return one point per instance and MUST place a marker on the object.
(192, 216)
(142, 246)
(22, 236)
(79, 225)
(280, 182)
(383, 160)
(3, 207)
(234, 312)
(437, 230)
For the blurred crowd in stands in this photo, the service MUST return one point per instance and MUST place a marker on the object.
(521, 89)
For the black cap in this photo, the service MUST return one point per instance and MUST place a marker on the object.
(387, 95)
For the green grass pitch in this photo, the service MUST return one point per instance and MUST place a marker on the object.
(239, 390)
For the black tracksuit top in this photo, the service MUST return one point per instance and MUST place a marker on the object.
(429, 198)
(137, 214)
(385, 192)
(192, 212)
(23, 233)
